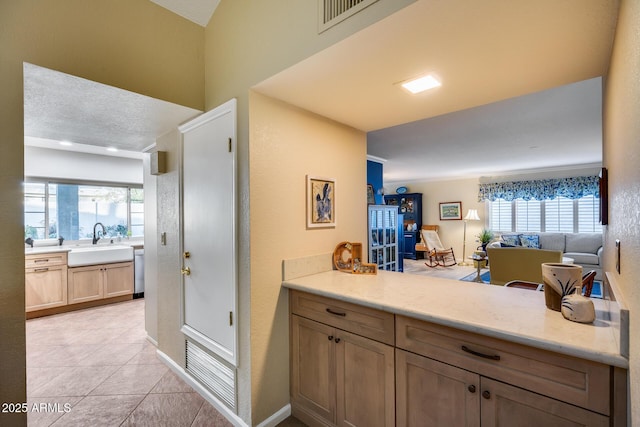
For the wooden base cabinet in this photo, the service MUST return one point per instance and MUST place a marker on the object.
(339, 378)
(45, 281)
(432, 393)
(94, 282)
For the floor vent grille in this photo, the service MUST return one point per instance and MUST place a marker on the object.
(216, 376)
(331, 12)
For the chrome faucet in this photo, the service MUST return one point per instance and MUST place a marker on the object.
(104, 231)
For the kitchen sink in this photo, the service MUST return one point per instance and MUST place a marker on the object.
(90, 255)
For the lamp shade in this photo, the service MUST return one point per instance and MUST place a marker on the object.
(472, 215)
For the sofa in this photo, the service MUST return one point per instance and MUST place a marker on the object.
(584, 248)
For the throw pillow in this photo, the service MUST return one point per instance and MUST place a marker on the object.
(511, 239)
(530, 241)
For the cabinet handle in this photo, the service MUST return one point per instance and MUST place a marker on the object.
(330, 337)
(337, 313)
(472, 388)
(337, 340)
(486, 394)
(41, 269)
(475, 353)
(40, 260)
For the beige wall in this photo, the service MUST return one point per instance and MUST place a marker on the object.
(131, 44)
(287, 144)
(622, 158)
(451, 232)
(246, 42)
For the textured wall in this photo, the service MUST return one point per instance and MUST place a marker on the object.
(131, 44)
(246, 42)
(286, 144)
(622, 158)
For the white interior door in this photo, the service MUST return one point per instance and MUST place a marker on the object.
(209, 230)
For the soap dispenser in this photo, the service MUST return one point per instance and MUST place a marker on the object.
(578, 308)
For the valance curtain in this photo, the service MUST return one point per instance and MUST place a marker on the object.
(545, 189)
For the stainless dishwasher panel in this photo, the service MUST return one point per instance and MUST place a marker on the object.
(138, 266)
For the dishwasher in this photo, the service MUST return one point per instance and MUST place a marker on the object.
(138, 267)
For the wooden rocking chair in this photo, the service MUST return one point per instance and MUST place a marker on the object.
(436, 254)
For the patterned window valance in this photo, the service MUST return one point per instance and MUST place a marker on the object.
(546, 189)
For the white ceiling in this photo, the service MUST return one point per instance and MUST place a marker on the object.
(483, 52)
(92, 116)
(198, 11)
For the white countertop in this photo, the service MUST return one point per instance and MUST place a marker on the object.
(516, 315)
(46, 249)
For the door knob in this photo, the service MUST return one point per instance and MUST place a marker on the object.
(186, 271)
(187, 254)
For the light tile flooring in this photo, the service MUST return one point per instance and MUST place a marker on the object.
(99, 364)
(95, 367)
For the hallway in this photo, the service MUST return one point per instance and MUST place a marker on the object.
(95, 367)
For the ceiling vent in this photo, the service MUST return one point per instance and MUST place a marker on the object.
(331, 12)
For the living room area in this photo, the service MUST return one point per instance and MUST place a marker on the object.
(529, 168)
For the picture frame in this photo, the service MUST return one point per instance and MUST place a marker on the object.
(371, 198)
(450, 211)
(321, 202)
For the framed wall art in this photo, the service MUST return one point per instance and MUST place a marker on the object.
(321, 202)
(371, 198)
(450, 211)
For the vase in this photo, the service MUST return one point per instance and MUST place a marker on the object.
(578, 308)
(559, 280)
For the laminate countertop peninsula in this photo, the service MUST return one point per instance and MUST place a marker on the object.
(511, 314)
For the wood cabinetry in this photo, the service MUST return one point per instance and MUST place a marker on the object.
(410, 207)
(358, 366)
(96, 282)
(493, 382)
(341, 372)
(45, 281)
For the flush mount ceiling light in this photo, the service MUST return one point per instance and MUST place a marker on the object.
(421, 84)
(66, 143)
(112, 149)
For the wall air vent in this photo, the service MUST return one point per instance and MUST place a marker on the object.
(331, 12)
(213, 374)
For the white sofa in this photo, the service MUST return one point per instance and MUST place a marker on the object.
(584, 248)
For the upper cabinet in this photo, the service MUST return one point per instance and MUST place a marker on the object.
(409, 205)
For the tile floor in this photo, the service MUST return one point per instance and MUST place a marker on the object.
(95, 368)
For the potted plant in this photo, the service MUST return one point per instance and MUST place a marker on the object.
(485, 237)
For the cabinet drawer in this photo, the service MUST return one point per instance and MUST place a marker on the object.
(569, 379)
(45, 260)
(364, 321)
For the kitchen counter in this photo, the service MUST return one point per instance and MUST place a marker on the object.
(46, 249)
(515, 315)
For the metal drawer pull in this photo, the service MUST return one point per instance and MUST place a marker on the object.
(41, 269)
(472, 388)
(475, 353)
(337, 313)
(40, 260)
(330, 337)
(486, 394)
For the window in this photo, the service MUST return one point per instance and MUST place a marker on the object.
(558, 215)
(71, 210)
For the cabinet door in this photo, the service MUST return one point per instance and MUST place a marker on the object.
(118, 279)
(313, 380)
(85, 283)
(365, 381)
(431, 393)
(45, 287)
(505, 405)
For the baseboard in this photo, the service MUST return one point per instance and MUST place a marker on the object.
(275, 419)
(152, 341)
(220, 407)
